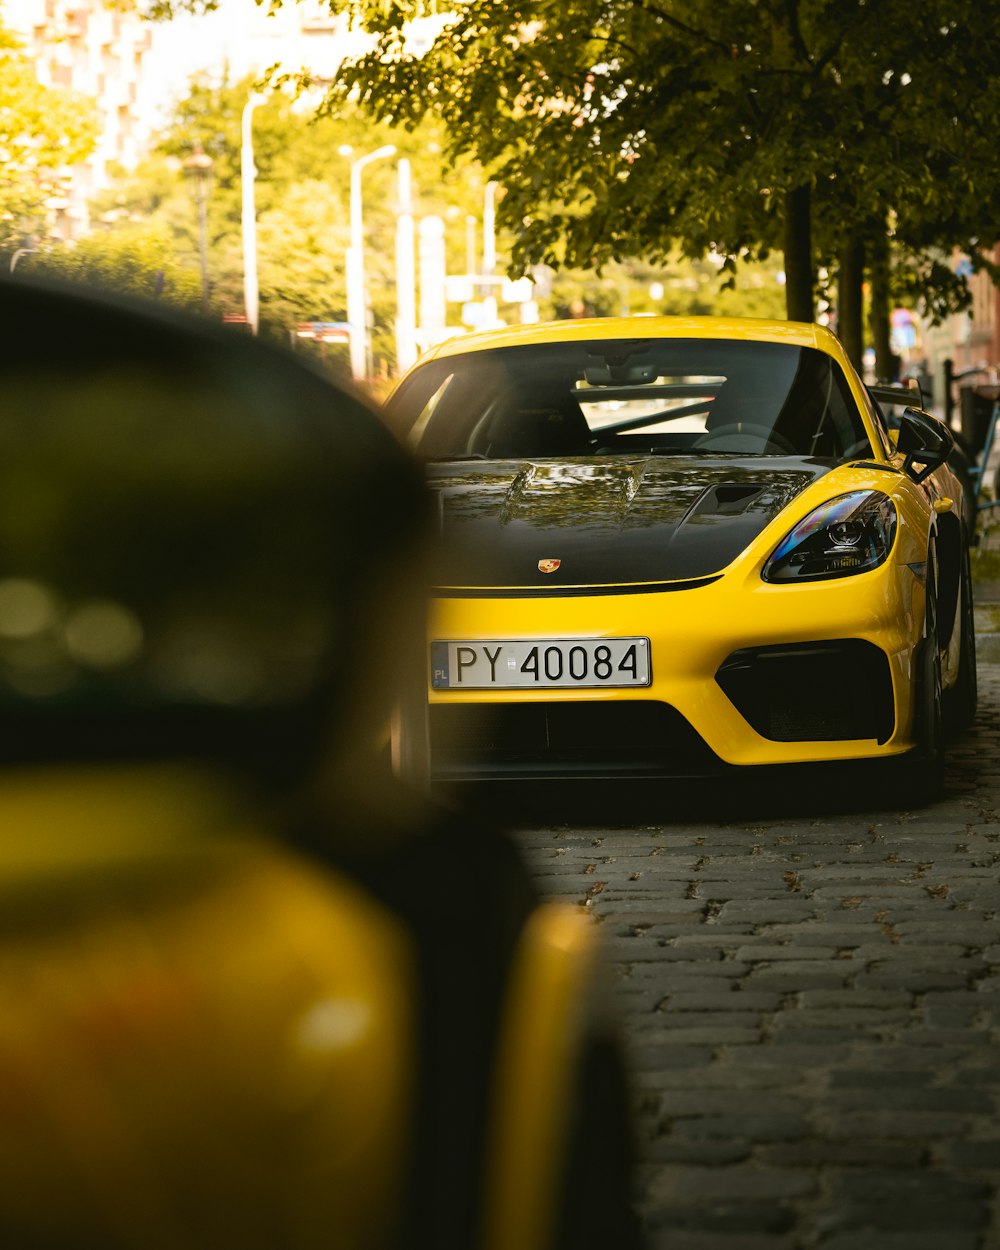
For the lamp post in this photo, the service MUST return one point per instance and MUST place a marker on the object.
(357, 296)
(248, 216)
(21, 251)
(199, 163)
(489, 229)
(489, 250)
(406, 311)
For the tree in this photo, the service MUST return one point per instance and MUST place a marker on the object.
(302, 208)
(135, 259)
(618, 127)
(43, 130)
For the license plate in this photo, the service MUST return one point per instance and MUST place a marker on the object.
(528, 663)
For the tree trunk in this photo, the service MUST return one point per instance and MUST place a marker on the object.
(886, 364)
(799, 284)
(849, 300)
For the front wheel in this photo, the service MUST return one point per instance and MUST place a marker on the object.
(961, 700)
(923, 773)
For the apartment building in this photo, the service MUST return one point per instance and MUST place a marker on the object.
(98, 50)
(977, 337)
(132, 69)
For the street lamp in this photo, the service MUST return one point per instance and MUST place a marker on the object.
(248, 173)
(489, 250)
(199, 163)
(357, 296)
(489, 229)
(406, 279)
(21, 251)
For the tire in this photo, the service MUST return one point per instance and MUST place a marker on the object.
(923, 771)
(961, 701)
(595, 1207)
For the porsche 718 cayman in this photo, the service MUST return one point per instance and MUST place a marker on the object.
(674, 546)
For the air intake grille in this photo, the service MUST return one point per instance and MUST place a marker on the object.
(625, 738)
(812, 692)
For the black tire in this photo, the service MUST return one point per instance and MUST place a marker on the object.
(923, 770)
(961, 701)
(595, 1208)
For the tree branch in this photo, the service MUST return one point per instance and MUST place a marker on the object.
(699, 35)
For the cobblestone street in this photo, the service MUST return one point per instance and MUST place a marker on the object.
(811, 996)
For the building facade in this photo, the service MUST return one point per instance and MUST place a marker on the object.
(135, 69)
(99, 51)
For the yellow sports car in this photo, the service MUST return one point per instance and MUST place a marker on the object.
(677, 545)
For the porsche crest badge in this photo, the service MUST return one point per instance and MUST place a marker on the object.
(548, 566)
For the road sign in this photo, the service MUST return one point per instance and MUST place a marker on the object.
(324, 331)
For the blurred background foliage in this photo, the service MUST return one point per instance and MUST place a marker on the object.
(720, 151)
(146, 236)
(43, 131)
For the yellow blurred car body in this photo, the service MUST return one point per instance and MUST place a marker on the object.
(254, 992)
(744, 668)
(202, 1034)
(211, 1036)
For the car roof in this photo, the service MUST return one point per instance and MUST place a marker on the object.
(799, 333)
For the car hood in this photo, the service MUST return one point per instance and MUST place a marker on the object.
(606, 522)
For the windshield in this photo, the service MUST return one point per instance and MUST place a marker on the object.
(631, 397)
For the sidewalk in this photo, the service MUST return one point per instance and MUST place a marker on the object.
(986, 588)
(810, 999)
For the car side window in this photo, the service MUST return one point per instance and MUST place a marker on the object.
(419, 426)
(883, 424)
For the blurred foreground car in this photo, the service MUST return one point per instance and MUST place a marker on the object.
(251, 993)
(676, 546)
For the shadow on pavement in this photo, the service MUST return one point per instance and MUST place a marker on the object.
(832, 789)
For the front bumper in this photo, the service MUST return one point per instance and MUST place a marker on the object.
(743, 673)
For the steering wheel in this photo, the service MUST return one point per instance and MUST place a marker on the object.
(745, 436)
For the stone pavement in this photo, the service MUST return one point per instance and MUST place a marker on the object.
(810, 990)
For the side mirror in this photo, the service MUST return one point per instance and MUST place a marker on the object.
(925, 441)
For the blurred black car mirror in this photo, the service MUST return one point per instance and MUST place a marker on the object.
(203, 544)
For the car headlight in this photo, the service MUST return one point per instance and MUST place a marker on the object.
(847, 535)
